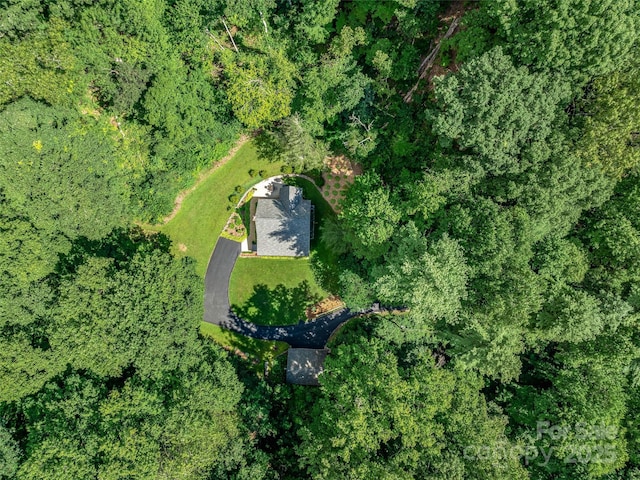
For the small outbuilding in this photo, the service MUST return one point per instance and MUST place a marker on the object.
(304, 365)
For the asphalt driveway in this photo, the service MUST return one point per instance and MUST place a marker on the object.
(312, 334)
(216, 281)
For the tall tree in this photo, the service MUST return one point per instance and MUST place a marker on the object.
(386, 414)
(611, 130)
(297, 147)
(9, 457)
(428, 277)
(259, 87)
(333, 86)
(60, 171)
(370, 216)
(41, 65)
(577, 38)
(499, 112)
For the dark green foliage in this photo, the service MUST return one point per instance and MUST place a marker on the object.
(316, 175)
(431, 279)
(311, 19)
(579, 38)
(569, 400)
(128, 83)
(296, 147)
(501, 205)
(355, 291)
(85, 316)
(88, 428)
(610, 123)
(500, 113)
(119, 362)
(332, 235)
(369, 216)
(612, 234)
(60, 172)
(473, 39)
(259, 87)
(333, 86)
(41, 64)
(368, 421)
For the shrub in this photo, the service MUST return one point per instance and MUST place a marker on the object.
(445, 58)
(316, 176)
(238, 189)
(262, 173)
(252, 173)
(286, 169)
(234, 198)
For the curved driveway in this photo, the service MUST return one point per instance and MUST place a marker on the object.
(311, 334)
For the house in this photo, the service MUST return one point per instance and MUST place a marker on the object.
(283, 224)
(304, 365)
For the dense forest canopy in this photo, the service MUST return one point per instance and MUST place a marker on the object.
(500, 203)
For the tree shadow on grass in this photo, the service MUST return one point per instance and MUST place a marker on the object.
(324, 261)
(325, 271)
(277, 306)
(248, 352)
(267, 146)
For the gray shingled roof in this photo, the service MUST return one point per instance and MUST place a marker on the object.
(283, 225)
(305, 364)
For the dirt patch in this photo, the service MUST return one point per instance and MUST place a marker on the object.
(182, 247)
(429, 66)
(94, 112)
(203, 176)
(339, 174)
(324, 306)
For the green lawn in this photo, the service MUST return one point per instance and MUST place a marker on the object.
(265, 290)
(277, 291)
(204, 212)
(270, 272)
(200, 221)
(273, 291)
(323, 259)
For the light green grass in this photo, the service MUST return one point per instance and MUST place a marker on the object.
(204, 212)
(278, 291)
(260, 350)
(271, 272)
(274, 291)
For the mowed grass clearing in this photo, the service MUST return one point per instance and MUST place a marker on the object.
(274, 291)
(271, 272)
(197, 225)
(278, 291)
